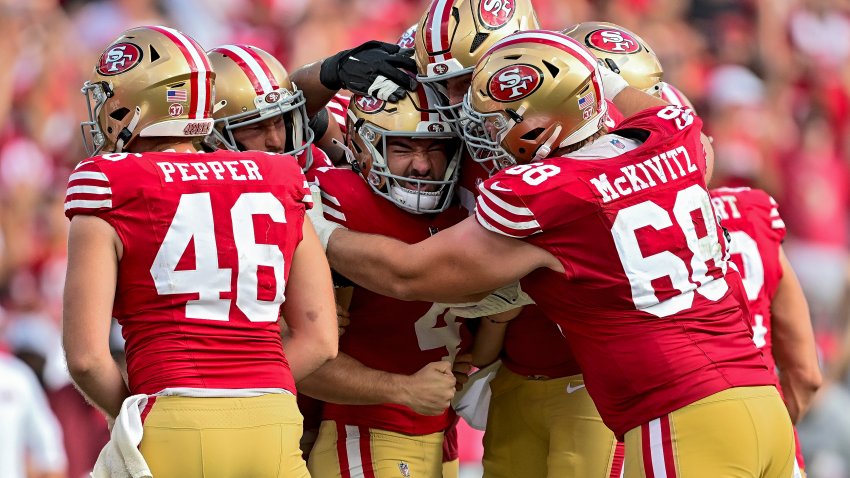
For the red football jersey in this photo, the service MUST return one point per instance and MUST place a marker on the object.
(644, 303)
(208, 242)
(533, 344)
(385, 333)
(614, 116)
(338, 110)
(756, 230)
(320, 159)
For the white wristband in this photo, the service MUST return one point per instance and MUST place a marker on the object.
(612, 83)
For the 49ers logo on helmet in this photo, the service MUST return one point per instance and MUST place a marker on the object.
(514, 82)
(613, 41)
(367, 104)
(496, 13)
(119, 58)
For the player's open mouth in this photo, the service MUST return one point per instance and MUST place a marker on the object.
(417, 186)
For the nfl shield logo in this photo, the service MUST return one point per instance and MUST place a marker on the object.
(404, 469)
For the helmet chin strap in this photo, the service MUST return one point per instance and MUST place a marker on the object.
(127, 132)
(546, 148)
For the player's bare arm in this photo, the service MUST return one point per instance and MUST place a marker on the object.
(436, 269)
(794, 343)
(93, 252)
(311, 336)
(631, 100)
(347, 381)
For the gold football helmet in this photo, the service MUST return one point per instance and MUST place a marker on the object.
(150, 81)
(453, 35)
(371, 122)
(252, 86)
(623, 52)
(532, 93)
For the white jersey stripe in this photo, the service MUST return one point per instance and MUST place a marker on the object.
(200, 64)
(331, 199)
(88, 175)
(85, 204)
(255, 67)
(484, 222)
(334, 213)
(656, 449)
(88, 190)
(519, 211)
(777, 224)
(352, 449)
(525, 225)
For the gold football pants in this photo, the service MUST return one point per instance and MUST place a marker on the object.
(187, 437)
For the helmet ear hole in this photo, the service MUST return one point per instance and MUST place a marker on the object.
(478, 40)
(119, 114)
(553, 70)
(154, 54)
(532, 135)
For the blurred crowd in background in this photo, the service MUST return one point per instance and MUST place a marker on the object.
(771, 78)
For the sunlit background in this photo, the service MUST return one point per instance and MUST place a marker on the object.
(770, 77)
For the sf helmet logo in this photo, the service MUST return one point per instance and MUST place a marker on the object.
(272, 97)
(367, 104)
(613, 41)
(119, 58)
(496, 13)
(514, 82)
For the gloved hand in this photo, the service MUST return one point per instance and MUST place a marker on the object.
(500, 300)
(612, 83)
(372, 69)
(322, 226)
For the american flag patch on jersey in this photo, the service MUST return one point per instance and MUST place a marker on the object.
(176, 95)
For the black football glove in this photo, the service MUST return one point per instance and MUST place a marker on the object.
(373, 69)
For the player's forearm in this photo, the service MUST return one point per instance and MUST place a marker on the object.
(488, 342)
(100, 381)
(794, 342)
(798, 389)
(307, 352)
(632, 100)
(374, 262)
(396, 269)
(346, 381)
(307, 80)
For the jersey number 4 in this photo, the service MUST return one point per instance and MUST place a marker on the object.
(193, 222)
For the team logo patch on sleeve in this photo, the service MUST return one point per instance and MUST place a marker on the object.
(514, 82)
(495, 13)
(612, 41)
(119, 58)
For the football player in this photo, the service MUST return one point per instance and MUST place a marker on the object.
(193, 254)
(404, 169)
(258, 108)
(777, 304)
(556, 431)
(616, 240)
